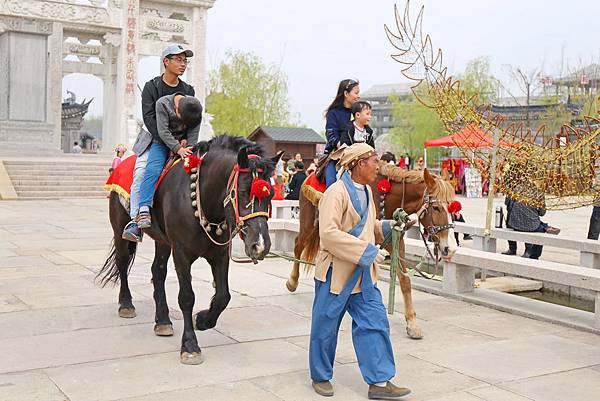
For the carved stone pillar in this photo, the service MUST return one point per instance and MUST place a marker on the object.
(197, 69)
(126, 86)
(55, 77)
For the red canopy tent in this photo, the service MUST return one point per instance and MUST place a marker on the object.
(470, 136)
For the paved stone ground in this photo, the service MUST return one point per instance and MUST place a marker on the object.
(61, 338)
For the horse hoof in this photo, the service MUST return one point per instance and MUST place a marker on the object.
(191, 358)
(290, 287)
(163, 330)
(127, 313)
(414, 332)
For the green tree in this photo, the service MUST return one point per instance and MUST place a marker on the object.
(245, 93)
(414, 124)
(478, 82)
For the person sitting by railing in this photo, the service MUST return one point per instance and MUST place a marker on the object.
(521, 217)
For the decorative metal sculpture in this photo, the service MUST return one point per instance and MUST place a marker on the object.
(555, 177)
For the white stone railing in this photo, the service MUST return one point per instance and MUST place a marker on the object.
(459, 275)
(282, 209)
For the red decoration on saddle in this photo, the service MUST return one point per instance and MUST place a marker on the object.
(384, 186)
(260, 189)
(190, 162)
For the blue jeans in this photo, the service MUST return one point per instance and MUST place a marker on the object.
(157, 157)
(138, 176)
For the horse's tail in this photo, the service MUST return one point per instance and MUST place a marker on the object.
(110, 272)
(311, 247)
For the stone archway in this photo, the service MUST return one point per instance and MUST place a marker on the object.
(116, 32)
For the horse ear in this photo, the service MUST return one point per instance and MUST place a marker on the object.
(429, 180)
(278, 156)
(243, 158)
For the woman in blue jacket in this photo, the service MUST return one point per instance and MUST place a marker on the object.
(338, 116)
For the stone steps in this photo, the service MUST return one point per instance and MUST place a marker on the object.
(60, 178)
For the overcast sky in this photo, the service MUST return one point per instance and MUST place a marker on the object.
(319, 42)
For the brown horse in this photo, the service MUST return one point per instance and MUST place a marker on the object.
(416, 192)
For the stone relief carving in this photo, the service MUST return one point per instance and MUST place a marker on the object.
(58, 11)
(83, 50)
(25, 25)
(165, 25)
(113, 39)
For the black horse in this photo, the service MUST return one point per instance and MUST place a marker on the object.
(192, 222)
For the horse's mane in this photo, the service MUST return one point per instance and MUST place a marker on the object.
(235, 143)
(444, 191)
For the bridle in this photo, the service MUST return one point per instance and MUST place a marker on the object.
(431, 230)
(232, 199)
(233, 195)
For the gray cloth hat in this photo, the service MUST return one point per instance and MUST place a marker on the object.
(176, 49)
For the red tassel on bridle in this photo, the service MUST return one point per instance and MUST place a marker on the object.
(384, 186)
(260, 189)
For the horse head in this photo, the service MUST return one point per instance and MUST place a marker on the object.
(251, 201)
(434, 217)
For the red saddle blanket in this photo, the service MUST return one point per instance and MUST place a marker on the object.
(122, 177)
(313, 189)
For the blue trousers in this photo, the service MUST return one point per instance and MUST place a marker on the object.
(370, 329)
(330, 173)
(138, 176)
(157, 157)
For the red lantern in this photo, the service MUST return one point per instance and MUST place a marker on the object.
(260, 189)
(454, 207)
(384, 186)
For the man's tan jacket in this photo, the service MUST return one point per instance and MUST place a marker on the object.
(338, 248)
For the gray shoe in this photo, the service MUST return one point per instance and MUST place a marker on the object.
(389, 392)
(323, 388)
(144, 220)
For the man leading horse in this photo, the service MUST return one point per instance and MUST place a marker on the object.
(346, 278)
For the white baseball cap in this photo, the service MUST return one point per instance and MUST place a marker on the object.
(176, 49)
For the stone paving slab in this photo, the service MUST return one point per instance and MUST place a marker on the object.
(74, 347)
(10, 303)
(262, 323)
(238, 391)
(29, 387)
(575, 385)
(62, 320)
(122, 378)
(492, 393)
(514, 359)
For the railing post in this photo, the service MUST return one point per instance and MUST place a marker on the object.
(589, 259)
(458, 279)
(597, 311)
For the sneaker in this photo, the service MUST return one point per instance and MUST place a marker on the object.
(144, 220)
(323, 388)
(552, 230)
(467, 237)
(132, 232)
(389, 392)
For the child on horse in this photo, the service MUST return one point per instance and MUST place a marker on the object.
(338, 117)
(178, 119)
(359, 130)
(175, 60)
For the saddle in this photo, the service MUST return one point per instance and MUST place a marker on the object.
(313, 189)
(322, 162)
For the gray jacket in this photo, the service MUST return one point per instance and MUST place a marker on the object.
(142, 142)
(170, 128)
